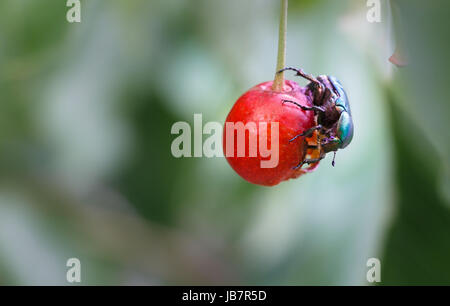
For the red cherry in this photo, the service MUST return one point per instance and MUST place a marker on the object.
(262, 104)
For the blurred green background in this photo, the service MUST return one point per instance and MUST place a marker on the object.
(86, 169)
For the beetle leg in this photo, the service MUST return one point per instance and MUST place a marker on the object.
(306, 108)
(301, 73)
(307, 133)
(312, 160)
(334, 157)
(308, 161)
(299, 165)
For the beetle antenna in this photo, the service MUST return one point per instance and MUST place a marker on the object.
(334, 157)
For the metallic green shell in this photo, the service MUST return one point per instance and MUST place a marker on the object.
(344, 129)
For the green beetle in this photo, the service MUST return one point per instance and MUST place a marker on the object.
(334, 118)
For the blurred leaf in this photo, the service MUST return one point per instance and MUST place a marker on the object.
(149, 178)
(418, 245)
(421, 87)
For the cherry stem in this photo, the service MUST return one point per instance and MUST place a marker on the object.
(278, 82)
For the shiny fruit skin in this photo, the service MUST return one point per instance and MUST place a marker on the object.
(262, 104)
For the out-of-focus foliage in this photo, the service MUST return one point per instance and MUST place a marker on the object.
(86, 168)
(418, 245)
